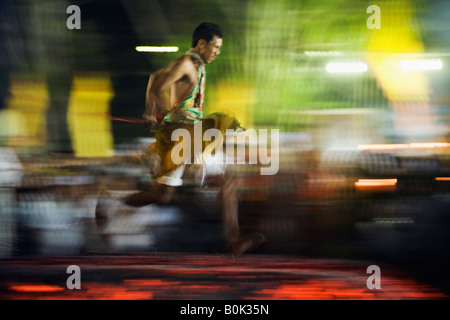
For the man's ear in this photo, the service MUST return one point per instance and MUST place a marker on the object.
(202, 43)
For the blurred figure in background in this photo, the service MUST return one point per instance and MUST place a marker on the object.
(185, 79)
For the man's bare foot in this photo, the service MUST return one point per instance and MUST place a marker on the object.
(246, 243)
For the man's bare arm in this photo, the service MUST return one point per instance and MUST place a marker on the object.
(162, 80)
(150, 105)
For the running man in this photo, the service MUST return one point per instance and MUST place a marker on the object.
(184, 78)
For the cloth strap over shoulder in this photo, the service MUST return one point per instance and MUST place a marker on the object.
(188, 108)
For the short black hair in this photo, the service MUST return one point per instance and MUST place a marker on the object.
(207, 31)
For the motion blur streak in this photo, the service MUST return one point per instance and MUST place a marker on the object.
(375, 182)
(89, 101)
(422, 145)
(26, 108)
(35, 288)
(156, 49)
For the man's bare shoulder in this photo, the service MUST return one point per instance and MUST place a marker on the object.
(183, 62)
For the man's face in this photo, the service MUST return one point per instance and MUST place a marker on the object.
(210, 50)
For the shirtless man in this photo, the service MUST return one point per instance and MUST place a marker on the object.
(185, 79)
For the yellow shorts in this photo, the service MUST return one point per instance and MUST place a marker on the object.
(170, 173)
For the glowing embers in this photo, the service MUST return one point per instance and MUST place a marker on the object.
(33, 288)
(376, 184)
(175, 276)
(156, 49)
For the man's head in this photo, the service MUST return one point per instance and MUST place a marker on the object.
(207, 41)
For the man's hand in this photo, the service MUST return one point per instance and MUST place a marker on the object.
(150, 121)
(153, 121)
(160, 116)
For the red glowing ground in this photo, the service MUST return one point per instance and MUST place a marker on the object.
(205, 277)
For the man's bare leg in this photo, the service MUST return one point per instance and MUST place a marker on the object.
(229, 212)
(229, 208)
(158, 194)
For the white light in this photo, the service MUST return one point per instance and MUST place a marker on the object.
(156, 49)
(414, 145)
(346, 67)
(431, 64)
(322, 53)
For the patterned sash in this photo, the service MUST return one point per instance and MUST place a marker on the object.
(188, 109)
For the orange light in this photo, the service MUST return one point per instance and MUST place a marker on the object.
(35, 288)
(442, 178)
(376, 182)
